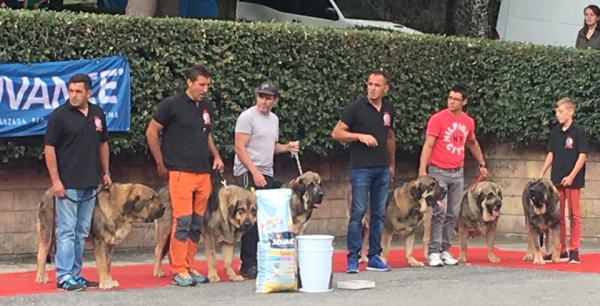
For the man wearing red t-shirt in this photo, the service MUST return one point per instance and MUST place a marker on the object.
(443, 157)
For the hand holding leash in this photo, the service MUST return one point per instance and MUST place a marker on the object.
(480, 178)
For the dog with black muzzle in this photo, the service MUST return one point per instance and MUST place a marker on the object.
(541, 208)
(408, 207)
(116, 210)
(478, 215)
(307, 195)
(231, 211)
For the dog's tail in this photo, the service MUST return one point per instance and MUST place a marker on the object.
(52, 229)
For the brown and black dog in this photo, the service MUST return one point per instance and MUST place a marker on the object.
(407, 208)
(117, 208)
(541, 208)
(478, 215)
(231, 211)
(307, 195)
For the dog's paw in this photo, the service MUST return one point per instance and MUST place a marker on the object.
(363, 259)
(462, 257)
(236, 278)
(493, 258)
(556, 258)
(41, 278)
(108, 284)
(415, 263)
(158, 273)
(528, 257)
(213, 278)
(538, 260)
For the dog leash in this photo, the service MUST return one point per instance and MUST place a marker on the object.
(477, 181)
(84, 200)
(223, 181)
(295, 155)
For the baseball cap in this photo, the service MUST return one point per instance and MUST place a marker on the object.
(268, 89)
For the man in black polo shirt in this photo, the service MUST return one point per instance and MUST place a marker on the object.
(77, 155)
(567, 154)
(367, 124)
(186, 121)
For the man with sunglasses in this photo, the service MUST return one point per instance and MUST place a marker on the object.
(448, 132)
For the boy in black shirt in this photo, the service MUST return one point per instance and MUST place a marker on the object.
(567, 153)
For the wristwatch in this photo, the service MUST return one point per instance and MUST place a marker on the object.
(483, 165)
(105, 173)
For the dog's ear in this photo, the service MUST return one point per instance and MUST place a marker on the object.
(233, 209)
(298, 187)
(415, 190)
(129, 206)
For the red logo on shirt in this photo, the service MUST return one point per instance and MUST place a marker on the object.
(569, 143)
(98, 123)
(206, 117)
(386, 119)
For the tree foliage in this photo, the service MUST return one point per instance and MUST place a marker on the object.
(319, 70)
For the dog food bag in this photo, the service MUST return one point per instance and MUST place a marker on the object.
(276, 247)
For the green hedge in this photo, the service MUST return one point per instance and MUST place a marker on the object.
(319, 71)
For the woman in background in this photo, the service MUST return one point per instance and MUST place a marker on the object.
(589, 36)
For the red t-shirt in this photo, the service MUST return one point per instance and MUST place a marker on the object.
(451, 133)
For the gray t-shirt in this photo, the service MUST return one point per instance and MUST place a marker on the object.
(264, 133)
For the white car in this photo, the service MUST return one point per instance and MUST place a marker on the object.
(329, 13)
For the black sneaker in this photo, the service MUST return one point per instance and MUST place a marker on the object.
(87, 283)
(249, 273)
(69, 283)
(564, 257)
(574, 257)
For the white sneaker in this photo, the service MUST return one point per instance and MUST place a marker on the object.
(435, 260)
(448, 259)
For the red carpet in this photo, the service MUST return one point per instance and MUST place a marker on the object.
(140, 276)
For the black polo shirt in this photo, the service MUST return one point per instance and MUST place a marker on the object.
(186, 126)
(566, 147)
(362, 117)
(76, 139)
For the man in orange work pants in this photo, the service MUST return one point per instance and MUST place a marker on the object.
(183, 157)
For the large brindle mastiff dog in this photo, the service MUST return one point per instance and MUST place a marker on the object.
(116, 209)
(408, 207)
(478, 215)
(307, 194)
(541, 207)
(231, 211)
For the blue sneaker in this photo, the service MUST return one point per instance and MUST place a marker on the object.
(69, 283)
(87, 283)
(375, 264)
(200, 279)
(184, 280)
(352, 268)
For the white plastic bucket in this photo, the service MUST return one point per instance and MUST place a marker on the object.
(315, 263)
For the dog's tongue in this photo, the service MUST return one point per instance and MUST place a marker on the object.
(316, 205)
(496, 213)
(440, 203)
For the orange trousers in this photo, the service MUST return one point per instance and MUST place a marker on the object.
(571, 197)
(189, 196)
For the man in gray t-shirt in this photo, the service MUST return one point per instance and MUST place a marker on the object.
(256, 143)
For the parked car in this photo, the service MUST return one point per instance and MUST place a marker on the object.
(329, 13)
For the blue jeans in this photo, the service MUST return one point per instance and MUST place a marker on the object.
(373, 181)
(73, 227)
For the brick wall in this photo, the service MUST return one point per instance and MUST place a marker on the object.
(21, 186)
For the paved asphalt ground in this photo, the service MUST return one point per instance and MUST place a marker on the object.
(462, 285)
